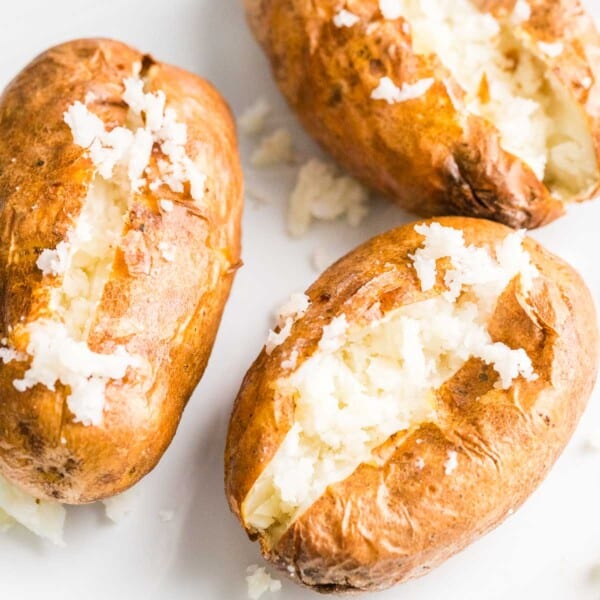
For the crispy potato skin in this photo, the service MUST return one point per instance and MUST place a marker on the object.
(394, 522)
(168, 315)
(427, 154)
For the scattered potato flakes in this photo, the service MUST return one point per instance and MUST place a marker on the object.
(253, 119)
(260, 582)
(387, 90)
(124, 152)
(274, 149)
(44, 518)
(118, 508)
(322, 193)
(420, 464)
(58, 357)
(345, 18)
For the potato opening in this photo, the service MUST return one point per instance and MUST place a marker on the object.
(93, 246)
(379, 378)
(507, 84)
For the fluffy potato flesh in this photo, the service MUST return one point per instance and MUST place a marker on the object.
(369, 382)
(90, 256)
(509, 84)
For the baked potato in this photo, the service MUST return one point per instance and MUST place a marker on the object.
(484, 108)
(409, 402)
(120, 204)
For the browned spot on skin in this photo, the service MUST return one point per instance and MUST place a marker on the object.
(33, 442)
(107, 478)
(336, 96)
(377, 68)
(472, 381)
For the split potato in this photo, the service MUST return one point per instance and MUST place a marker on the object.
(120, 205)
(484, 108)
(409, 402)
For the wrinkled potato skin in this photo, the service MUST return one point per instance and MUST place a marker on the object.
(169, 317)
(427, 154)
(394, 522)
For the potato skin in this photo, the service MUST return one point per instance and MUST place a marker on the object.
(168, 316)
(426, 154)
(393, 522)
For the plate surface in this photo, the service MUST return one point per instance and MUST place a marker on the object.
(549, 549)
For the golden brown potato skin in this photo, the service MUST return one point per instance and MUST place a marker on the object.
(169, 316)
(387, 524)
(419, 153)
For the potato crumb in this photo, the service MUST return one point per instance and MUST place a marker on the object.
(118, 508)
(167, 251)
(334, 334)
(451, 464)
(420, 464)
(167, 205)
(292, 362)
(54, 262)
(324, 194)
(552, 50)
(521, 12)
(253, 119)
(345, 18)
(260, 582)
(593, 442)
(288, 314)
(44, 518)
(387, 90)
(274, 149)
(166, 515)
(391, 9)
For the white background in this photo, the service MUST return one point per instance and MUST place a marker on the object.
(548, 550)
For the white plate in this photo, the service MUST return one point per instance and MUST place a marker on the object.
(547, 550)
